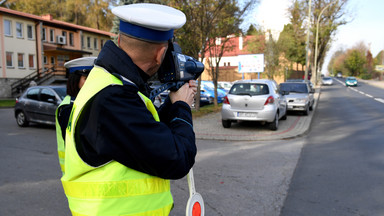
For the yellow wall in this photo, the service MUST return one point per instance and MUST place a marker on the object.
(17, 45)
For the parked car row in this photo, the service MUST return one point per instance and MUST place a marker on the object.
(265, 101)
(246, 100)
(207, 93)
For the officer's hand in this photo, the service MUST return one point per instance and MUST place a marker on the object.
(186, 93)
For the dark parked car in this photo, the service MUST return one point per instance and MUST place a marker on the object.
(38, 104)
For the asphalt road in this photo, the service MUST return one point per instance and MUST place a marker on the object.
(340, 171)
(234, 177)
(29, 170)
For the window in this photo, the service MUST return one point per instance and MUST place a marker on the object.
(52, 35)
(33, 94)
(44, 35)
(47, 95)
(52, 60)
(9, 59)
(45, 60)
(7, 27)
(101, 43)
(65, 36)
(95, 43)
(31, 62)
(218, 41)
(61, 59)
(82, 41)
(20, 60)
(89, 42)
(19, 30)
(30, 32)
(250, 89)
(71, 39)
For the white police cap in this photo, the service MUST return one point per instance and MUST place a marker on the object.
(80, 64)
(149, 22)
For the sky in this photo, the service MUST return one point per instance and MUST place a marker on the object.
(366, 24)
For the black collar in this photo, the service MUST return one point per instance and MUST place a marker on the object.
(116, 61)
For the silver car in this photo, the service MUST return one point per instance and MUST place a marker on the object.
(327, 81)
(38, 104)
(254, 100)
(300, 97)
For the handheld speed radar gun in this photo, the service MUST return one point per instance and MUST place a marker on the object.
(176, 70)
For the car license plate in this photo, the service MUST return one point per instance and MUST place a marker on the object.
(290, 106)
(246, 114)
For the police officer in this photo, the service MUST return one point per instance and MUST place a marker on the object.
(78, 70)
(120, 151)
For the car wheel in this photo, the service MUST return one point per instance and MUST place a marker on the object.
(226, 123)
(285, 114)
(311, 107)
(275, 124)
(306, 112)
(21, 119)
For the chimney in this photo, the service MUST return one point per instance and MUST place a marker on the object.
(47, 17)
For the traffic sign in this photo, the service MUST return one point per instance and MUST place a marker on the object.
(252, 63)
(195, 204)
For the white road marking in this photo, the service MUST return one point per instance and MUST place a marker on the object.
(363, 93)
(380, 100)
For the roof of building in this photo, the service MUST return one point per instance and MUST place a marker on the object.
(49, 20)
(233, 45)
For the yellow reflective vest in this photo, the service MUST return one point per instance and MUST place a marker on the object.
(112, 188)
(59, 136)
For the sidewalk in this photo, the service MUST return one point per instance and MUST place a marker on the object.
(376, 83)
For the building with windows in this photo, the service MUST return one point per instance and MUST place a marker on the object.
(31, 46)
(234, 48)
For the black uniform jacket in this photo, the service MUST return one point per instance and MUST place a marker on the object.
(116, 125)
(63, 116)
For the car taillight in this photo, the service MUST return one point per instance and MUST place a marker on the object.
(270, 100)
(17, 100)
(226, 101)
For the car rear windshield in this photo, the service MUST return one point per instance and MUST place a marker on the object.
(249, 89)
(294, 87)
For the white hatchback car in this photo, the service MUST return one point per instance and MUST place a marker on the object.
(254, 100)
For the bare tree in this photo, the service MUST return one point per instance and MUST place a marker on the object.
(332, 17)
(204, 22)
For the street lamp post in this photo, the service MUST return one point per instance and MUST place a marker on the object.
(307, 46)
(317, 39)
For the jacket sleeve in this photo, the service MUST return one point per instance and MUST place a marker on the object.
(120, 127)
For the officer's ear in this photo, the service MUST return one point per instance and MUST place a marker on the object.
(161, 51)
(118, 40)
